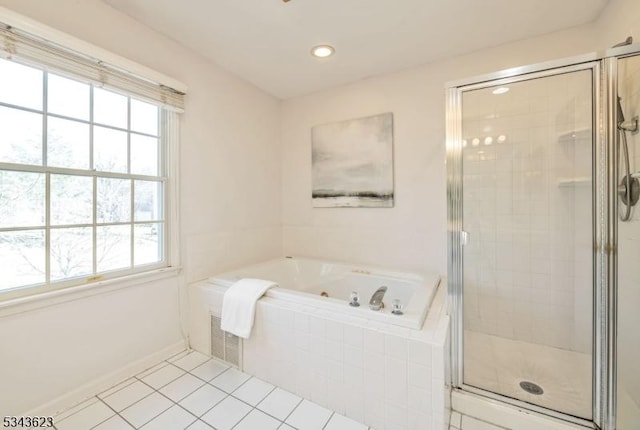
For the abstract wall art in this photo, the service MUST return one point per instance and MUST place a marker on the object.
(352, 163)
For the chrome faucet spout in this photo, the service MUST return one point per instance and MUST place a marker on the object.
(376, 300)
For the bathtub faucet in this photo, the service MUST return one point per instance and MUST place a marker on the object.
(376, 300)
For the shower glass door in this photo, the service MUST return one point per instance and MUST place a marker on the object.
(628, 285)
(527, 162)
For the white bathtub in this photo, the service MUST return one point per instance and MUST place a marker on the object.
(304, 280)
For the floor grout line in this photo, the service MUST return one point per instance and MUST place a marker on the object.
(327, 423)
(245, 416)
(114, 412)
(292, 411)
(163, 365)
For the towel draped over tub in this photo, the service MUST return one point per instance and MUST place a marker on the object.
(239, 305)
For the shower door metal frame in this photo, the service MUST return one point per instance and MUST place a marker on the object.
(611, 214)
(604, 211)
(605, 227)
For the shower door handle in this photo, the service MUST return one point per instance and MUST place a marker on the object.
(464, 238)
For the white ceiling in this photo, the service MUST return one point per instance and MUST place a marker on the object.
(267, 42)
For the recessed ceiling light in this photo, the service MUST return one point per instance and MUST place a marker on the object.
(500, 90)
(322, 51)
(488, 140)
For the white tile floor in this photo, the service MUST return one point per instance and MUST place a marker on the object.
(192, 391)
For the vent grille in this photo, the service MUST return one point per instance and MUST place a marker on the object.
(225, 346)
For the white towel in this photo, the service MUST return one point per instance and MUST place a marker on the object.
(239, 305)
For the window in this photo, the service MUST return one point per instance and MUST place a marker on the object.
(84, 175)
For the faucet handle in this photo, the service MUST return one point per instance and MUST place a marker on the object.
(397, 307)
(354, 299)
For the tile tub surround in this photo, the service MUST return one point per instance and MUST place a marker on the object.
(193, 391)
(387, 377)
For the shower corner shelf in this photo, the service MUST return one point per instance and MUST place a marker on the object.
(571, 182)
(573, 136)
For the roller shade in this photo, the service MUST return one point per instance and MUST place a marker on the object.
(22, 47)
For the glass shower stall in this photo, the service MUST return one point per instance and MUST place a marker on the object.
(544, 237)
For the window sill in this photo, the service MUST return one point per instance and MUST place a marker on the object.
(43, 300)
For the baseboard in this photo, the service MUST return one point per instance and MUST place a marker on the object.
(98, 385)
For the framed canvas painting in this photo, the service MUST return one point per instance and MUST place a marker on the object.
(352, 163)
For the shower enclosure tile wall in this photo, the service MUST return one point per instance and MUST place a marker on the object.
(543, 246)
(527, 185)
(628, 389)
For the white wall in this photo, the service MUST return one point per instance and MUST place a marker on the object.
(621, 18)
(411, 235)
(229, 208)
(49, 352)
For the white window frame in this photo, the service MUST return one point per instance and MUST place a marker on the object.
(168, 132)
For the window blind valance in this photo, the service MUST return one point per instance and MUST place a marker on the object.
(29, 49)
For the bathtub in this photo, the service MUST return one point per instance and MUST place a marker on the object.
(324, 350)
(329, 286)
